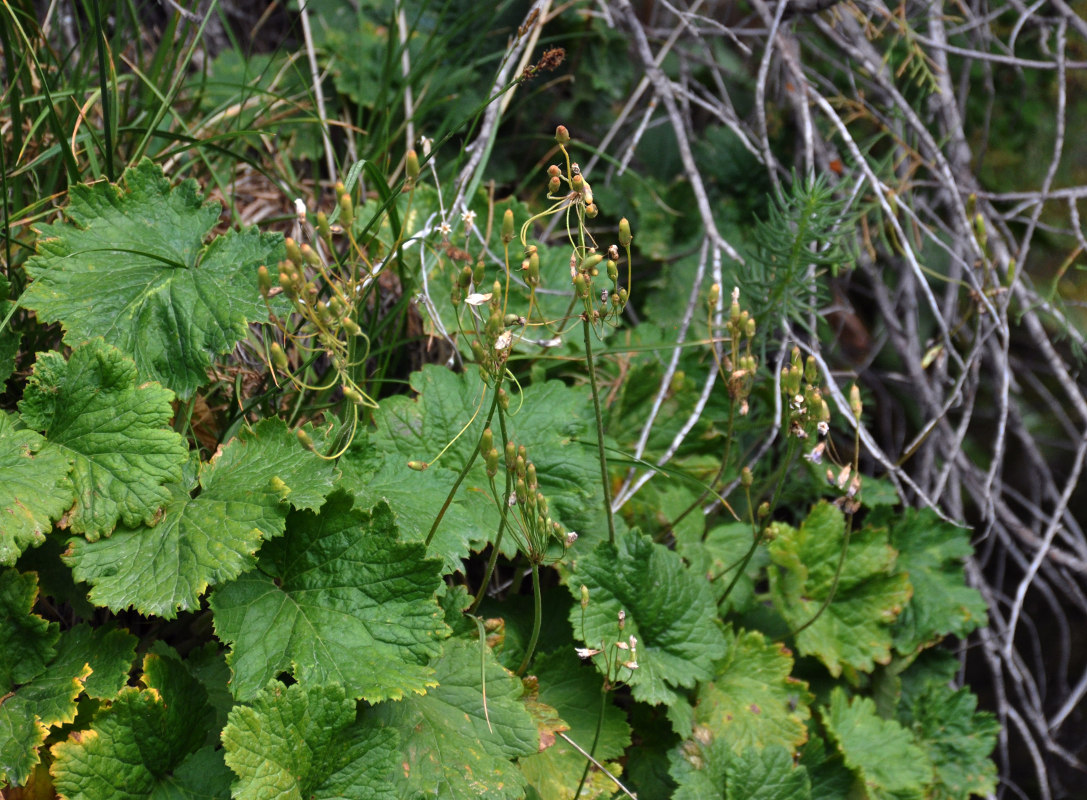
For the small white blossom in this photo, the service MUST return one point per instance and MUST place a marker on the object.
(477, 299)
(504, 340)
(571, 537)
(735, 294)
(468, 217)
(823, 427)
(445, 229)
(300, 209)
(631, 665)
(586, 652)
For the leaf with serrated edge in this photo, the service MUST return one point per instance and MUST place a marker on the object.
(337, 599)
(450, 746)
(575, 693)
(299, 743)
(669, 611)
(705, 767)
(116, 434)
(854, 631)
(131, 265)
(879, 751)
(27, 642)
(753, 701)
(946, 724)
(208, 539)
(145, 742)
(931, 553)
(34, 489)
(549, 418)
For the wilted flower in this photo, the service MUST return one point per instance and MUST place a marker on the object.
(586, 652)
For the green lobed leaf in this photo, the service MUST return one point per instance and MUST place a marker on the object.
(706, 767)
(931, 553)
(752, 700)
(718, 555)
(450, 746)
(209, 536)
(575, 691)
(337, 599)
(131, 264)
(34, 489)
(299, 743)
(27, 642)
(946, 724)
(854, 630)
(548, 419)
(95, 661)
(150, 742)
(881, 753)
(114, 431)
(668, 609)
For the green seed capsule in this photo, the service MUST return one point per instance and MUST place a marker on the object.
(418, 466)
(491, 460)
(511, 455)
(625, 237)
(613, 271)
(347, 208)
(279, 358)
(294, 253)
(486, 441)
(581, 286)
(264, 280)
(507, 226)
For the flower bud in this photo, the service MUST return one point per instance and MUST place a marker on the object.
(351, 326)
(479, 274)
(522, 491)
(746, 478)
(530, 475)
(486, 441)
(553, 171)
(491, 460)
(715, 295)
(584, 596)
(590, 263)
(304, 439)
(418, 466)
(323, 227)
(411, 164)
(591, 210)
(855, 401)
(503, 399)
(553, 186)
(613, 271)
(811, 370)
(750, 329)
(464, 279)
(581, 286)
(562, 136)
(764, 510)
(511, 455)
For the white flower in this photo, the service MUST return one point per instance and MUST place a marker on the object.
(586, 652)
(445, 229)
(735, 294)
(468, 217)
(571, 537)
(823, 428)
(299, 209)
(477, 299)
(504, 340)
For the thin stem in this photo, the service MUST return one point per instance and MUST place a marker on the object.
(537, 618)
(605, 481)
(464, 470)
(596, 739)
(496, 547)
